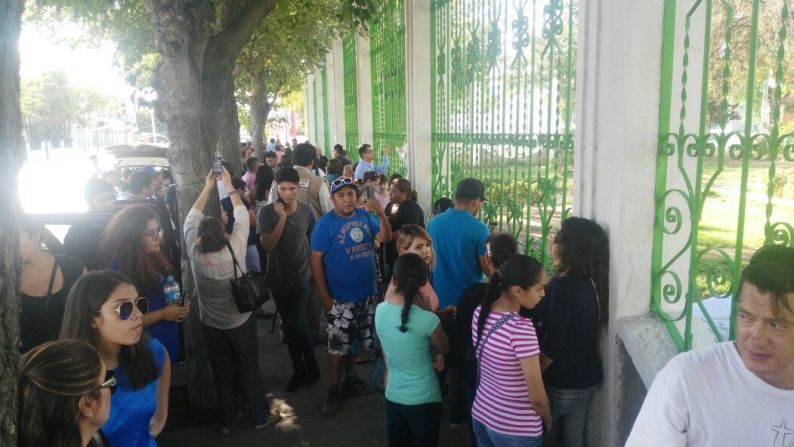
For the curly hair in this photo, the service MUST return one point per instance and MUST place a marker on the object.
(583, 249)
(120, 243)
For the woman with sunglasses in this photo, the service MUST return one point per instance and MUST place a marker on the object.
(63, 395)
(131, 243)
(105, 309)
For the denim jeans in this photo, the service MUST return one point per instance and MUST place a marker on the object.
(299, 341)
(413, 425)
(569, 414)
(490, 438)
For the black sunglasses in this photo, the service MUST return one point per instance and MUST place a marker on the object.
(125, 308)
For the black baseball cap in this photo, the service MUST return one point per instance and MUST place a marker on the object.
(470, 189)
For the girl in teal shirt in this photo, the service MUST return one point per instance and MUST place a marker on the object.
(407, 332)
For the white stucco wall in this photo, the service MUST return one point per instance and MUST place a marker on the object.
(418, 98)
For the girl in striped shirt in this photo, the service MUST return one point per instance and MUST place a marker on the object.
(511, 406)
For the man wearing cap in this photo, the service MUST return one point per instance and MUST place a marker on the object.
(737, 393)
(459, 241)
(343, 267)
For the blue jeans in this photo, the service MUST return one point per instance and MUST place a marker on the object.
(413, 425)
(490, 438)
(299, 341)
(569, 414)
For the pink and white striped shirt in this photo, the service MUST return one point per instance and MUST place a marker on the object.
(502, 401)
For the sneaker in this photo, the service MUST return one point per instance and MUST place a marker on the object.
(298, 380)
(331, 405)
(356, 387)
(272, 418)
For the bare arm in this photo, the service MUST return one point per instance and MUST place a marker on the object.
(269, 240)
(535, 388)
(439, 341)
(157, 423)
(318, 272)
(201, 202)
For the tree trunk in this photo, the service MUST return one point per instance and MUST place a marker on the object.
(11, 154)
(196, 101)
(260, 109)
(219, 111)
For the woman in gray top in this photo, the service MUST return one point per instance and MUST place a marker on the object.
(230, 335)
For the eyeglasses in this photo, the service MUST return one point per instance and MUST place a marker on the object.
(154, 234)
(125, 308)
(110, 381)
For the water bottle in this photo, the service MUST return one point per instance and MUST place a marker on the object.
(171, 291)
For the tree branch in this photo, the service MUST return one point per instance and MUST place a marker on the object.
(231, 40)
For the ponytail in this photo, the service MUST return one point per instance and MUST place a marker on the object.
(410, 274)
(491, 295)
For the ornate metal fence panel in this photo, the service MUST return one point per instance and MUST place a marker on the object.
(315, 106)
(326, 125)
(349, 63)
(503, 91)
(387, 50)
(725, 162)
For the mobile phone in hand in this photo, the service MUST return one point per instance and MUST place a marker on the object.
(217, 167)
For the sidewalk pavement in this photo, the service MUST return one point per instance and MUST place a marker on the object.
(361, 420)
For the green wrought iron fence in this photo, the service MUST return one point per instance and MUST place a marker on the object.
(503, 92)
(387, 51)
(351, 94)
(725, 162)
(316, 104)
(326, 144)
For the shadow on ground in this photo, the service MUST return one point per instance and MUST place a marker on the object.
(361, 420)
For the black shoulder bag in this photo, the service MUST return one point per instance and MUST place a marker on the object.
(249, 290)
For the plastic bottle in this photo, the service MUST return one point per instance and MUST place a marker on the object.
(171, 290)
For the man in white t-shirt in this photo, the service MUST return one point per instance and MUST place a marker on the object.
(733, 393)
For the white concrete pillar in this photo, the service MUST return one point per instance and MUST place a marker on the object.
(319, 139)
(617, 109)
(418, 99)
(308, 107)
(336, 89)
(364, 85)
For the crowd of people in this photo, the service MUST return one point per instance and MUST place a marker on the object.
(450, 310)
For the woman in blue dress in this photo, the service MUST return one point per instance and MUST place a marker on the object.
(105, 309)
(132, 242)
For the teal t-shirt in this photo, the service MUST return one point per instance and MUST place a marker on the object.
(412, 379)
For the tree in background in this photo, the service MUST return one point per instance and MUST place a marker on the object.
(11, 155)
(292, 41)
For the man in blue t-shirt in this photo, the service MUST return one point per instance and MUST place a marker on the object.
(459, 241)
(344, 271)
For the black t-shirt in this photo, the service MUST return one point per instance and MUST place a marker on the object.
(42, 315)
(461, 352)
(567, 323)
(82, 241)
(408, 213)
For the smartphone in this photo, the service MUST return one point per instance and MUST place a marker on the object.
(217, 167)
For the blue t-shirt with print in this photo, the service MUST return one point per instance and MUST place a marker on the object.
(131, 410)
(348, 247)
(459, 239)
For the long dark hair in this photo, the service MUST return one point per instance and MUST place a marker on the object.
(519, 270)
(85, 299)
(264, 180)
(410, 274)
(121, 242)
(583, 249)
(53, 377)
(502, 247)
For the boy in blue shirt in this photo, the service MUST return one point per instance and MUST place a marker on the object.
(344, 271)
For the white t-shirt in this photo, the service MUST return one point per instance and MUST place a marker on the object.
(707, 397)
